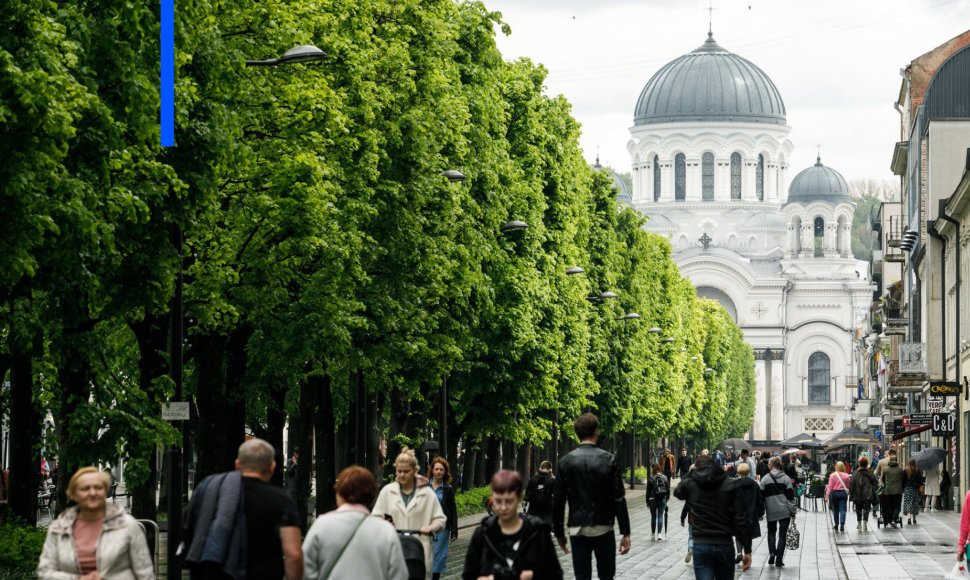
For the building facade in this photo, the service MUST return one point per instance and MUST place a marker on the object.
(710, 148)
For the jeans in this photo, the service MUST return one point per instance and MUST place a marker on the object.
(439, 553)
(714, 562)
(657, 514)
(690, 537)
(776, 547)
(583, 548)
(838, 500)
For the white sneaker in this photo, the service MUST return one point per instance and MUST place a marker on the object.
(653, 537)
(660, 537)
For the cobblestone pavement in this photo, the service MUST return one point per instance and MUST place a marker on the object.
(924, 551)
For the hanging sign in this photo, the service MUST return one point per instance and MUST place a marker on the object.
(944, 388)
(918, 419)
(175, 411)
(944, 424)
(934, 404)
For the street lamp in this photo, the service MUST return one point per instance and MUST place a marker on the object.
(297, 54)
(512, 226)
(629, 316)
(667, 340)
(574, 270)
(453, 176)
(708, 370)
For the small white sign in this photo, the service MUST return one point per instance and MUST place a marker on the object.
(934, 404)
(175, 411)
(874, 421)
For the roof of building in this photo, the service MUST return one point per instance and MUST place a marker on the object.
(818, 183)
(948, 96)
(623, 192)
(710, 84)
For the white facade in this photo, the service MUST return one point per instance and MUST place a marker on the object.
(781, 265)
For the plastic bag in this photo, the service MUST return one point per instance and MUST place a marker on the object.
(792, 539)
(959, 571)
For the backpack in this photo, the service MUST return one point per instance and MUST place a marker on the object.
(659, 486)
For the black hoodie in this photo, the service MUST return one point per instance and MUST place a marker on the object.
(536, 551)
(717, 510)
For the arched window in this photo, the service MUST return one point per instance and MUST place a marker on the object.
(819, 237)
(735, 175)
(818, 379)
(759, 178)
(680, 177)
(656, 178)
(707, 176)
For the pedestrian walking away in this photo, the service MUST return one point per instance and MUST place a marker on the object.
(862, 492)
(411, 504)
(779, 510)
(94, 539)
(250, 524)
(754, 503)
(658, 492)
(892, 484)
(440, 485)
(912, 489)
(591, 482)
(538, 494)
(717, 514)
(347, 542)
(837, 494)
(510, 545)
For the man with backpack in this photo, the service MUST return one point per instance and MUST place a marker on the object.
(658, 492)
(538, 494)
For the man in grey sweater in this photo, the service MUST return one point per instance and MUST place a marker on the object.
(779, 510)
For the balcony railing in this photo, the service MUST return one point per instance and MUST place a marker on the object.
(912, 358)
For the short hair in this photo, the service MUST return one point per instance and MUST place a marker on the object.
(703, 460)
(744, 469)
(545, 465)
(683, 451)
(705, 452)
(506, 481)
(255, 455)
(656, 467)
(839, 466)
(863, 462)
(356, 485)
(586, 426)
(443, 462)
(775, 462)
(745, 452)
(892, 452)
(73, 482)
(407, 456)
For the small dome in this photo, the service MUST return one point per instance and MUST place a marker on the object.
(818, 183)
(710, 84)
(623, 192)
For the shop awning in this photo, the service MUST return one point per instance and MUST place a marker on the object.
(913, 431)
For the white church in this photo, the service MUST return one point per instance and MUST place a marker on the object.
(710, 150)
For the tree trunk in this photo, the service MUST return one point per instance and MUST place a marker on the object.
(236, 363)
(275, 423)
(151, 333)
(469, 463)
(493, 458)
(304, 467)
(397, 425)
(73, 437)
(212, 438)
(373, 440)
(24, 437)
(325, 427)
(481, 461)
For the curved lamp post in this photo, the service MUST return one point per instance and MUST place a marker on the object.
(574, 270)
(297, 54)
(453, 176)
(512, 226)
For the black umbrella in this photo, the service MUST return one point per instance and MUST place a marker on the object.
(734, 443)
(801, 440)
(929, 457)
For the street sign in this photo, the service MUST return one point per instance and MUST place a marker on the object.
(944, 424)
(898, 426)
(917, 419)
(890, 428)
(944, 388)
(905, 421)
(934, 404)
(175, 411)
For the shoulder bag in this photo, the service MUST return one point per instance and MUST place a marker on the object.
(347, 543)
(793, 537)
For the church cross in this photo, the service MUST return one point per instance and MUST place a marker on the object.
(759, 309)
(706, 240)
(710, 17)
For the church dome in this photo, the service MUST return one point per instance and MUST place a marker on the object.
(710, 84)
(818, 183)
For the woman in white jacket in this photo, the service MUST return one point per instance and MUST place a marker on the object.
(94, 540)
(411, 506)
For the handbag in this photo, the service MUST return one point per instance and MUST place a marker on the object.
(792, 538)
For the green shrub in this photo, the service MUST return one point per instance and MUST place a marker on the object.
(472, 502)
(640, 473)
(20, 547)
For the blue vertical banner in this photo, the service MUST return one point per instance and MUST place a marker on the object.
(168, 73)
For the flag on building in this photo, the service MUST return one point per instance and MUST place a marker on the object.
(882, 374)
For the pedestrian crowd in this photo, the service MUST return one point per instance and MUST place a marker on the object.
(239, 525)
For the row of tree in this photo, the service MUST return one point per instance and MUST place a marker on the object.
(331, 278)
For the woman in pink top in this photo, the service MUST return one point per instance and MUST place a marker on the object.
(837, 493)
(94, 540)
(964, 530)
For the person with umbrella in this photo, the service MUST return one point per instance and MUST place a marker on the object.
(929, 461)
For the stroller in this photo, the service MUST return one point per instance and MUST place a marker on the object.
(413, 553)
(881, 517)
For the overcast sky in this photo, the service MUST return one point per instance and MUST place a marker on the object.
(836, 63)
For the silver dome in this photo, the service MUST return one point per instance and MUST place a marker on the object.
(818, 183)
(710, 84)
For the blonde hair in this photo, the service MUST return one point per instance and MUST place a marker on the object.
(73, 483)
(744, 469)
(407, 456)
(839, 466)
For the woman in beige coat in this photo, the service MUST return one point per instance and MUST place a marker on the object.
(411, 505)
(94, 540)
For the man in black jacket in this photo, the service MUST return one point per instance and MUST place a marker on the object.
(718, 513)
(683, 463)
(539, 493)
(591, 481)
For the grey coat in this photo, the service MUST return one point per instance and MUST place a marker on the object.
(374, 552)
(122, 551)
(779, 496)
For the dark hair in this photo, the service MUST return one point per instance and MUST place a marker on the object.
(443, 461)
(586, 426)
(656, 468)
(891, 452)
(745, 452)
(911, 468)
(863, 463)
(356, 485)
(703, 460)
(785, 459)
(506, 481)
(545, 465)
